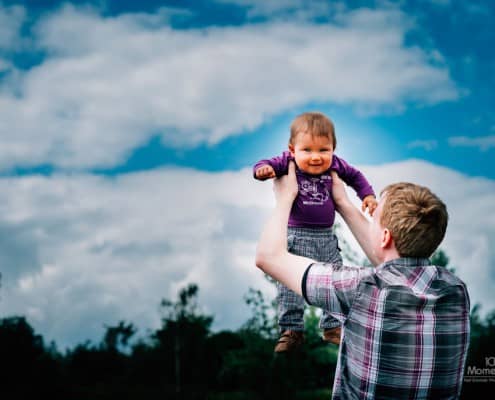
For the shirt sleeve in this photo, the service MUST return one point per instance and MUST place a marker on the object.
(353, 177)
(332, 287)
(280, 164)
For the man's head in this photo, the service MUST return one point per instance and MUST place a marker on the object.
(415, 217)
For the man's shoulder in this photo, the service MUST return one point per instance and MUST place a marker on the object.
(343, 272)
(448, 281)
(423, 280)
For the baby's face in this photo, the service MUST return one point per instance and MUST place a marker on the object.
(313, 154)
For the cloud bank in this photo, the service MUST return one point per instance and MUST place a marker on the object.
(81, 251)
(106, 85)
(483, 143)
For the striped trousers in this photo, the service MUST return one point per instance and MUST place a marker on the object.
(319, 244)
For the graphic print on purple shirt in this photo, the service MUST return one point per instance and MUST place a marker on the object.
(314, 206)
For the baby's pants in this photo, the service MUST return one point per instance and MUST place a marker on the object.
(320, 244)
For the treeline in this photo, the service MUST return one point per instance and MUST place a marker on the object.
(184, 359)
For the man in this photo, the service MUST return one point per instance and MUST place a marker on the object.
(405, 322)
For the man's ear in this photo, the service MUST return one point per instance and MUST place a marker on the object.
(291, 149)
(386, 239)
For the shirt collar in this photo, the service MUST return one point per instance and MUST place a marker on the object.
(406, 262)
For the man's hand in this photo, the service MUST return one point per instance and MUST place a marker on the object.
(285, 187)
(271, 254)
(339, 193)
(370, 203)
(265, 172)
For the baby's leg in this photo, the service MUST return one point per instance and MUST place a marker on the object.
(328, 251)
(290, 304)
(290, 309)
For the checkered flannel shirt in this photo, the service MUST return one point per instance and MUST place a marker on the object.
(405, 328)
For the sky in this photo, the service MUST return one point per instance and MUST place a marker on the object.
(128, 132)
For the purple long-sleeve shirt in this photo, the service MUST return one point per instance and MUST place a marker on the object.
(314, 206)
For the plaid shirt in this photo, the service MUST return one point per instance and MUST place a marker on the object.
(405, 328)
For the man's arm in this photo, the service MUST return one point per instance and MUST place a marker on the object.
(271, 254)
(353, 177)
(355, 220)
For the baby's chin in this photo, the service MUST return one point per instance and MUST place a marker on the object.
(314, 171)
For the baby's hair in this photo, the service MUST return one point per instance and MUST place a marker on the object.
(314, 123)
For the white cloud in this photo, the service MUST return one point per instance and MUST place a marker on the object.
(109, 84)
(4, 66)
(11, 20)
(286, 8)
(483, 143)
(427, 145)
(81, 251)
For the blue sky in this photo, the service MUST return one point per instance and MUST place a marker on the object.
(456, 130)
(128, 130)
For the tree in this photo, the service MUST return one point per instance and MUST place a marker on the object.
(117, 337)
(260, 320)
(182, 340)
(441, 259)
(28, 368)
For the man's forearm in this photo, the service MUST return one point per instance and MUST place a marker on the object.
(359, 226)
(273, 239)
(272, 255)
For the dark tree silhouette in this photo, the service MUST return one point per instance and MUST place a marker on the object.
(27, 367)
(182, 342)
(184, 359)
(118, 336)
(260, 321)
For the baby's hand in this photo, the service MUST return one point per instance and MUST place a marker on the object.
(370, 203)
(265, 172)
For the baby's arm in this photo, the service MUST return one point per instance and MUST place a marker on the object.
(272, 167)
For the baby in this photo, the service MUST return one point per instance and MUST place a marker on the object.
(310, 234)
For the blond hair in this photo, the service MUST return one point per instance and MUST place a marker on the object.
(314, 123)
(416, 218)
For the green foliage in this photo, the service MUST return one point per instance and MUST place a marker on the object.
(28, 368)
(260, 320)
(441, 259)
(349, 255)
(181, 343)
(117, 337)
(312, 330)
(184, 359)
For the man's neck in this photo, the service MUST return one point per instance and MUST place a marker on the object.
(390, 254)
